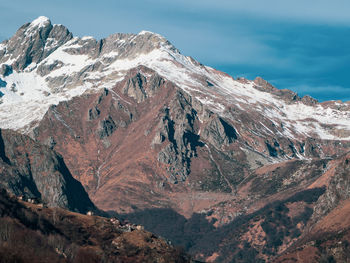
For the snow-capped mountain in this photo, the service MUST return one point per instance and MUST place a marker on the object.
(43, 64)
(142, 127)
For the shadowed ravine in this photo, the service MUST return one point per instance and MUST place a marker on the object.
(199, 236)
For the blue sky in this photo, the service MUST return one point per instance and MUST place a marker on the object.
(300, 45)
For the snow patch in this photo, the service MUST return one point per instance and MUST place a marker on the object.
(111, 54)
(72, 63)
(29, 103)
(87, 38)
(144, 32)
(41, 21)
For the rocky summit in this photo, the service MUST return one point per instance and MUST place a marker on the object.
(232, 170)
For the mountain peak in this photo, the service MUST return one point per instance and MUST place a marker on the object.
(143, 32)
(41, 21)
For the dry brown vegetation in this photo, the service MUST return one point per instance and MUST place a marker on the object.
(30, 233)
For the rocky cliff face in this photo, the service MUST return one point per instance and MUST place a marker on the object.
(32, 43)
(326, 237)
(34, 171)
(338, 188)
(145, 128)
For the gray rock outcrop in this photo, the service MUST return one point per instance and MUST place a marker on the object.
(35, 171)
(33, 43)
(178, 131)
(218, 132)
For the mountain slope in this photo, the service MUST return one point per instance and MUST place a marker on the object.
(327, 237)
(30, 233)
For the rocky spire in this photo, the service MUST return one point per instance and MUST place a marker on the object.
(33, 42)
